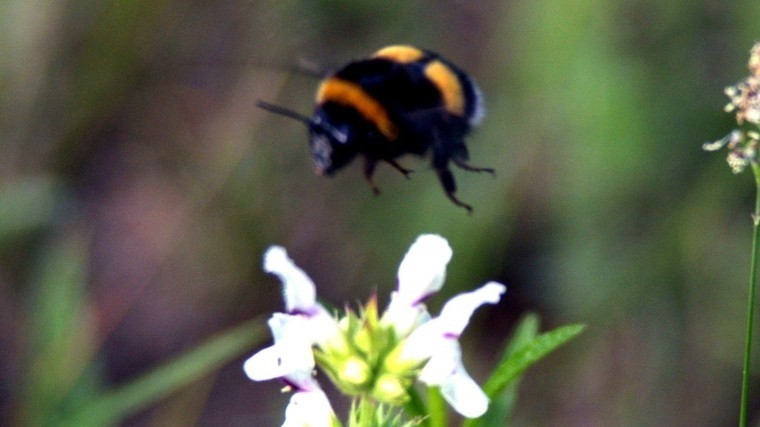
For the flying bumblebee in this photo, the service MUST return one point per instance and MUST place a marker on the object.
(401, 100)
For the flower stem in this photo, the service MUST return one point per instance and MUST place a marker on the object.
(751, 299)
(367, 410)
(437, 408)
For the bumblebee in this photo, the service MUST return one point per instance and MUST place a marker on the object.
(401, 100)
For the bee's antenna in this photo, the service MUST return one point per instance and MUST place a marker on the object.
(312, 124)
(284, 112)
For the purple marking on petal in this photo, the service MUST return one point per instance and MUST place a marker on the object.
(422, 299)
(291, 384)
(304, 384)
(307, 312)
(451, 335)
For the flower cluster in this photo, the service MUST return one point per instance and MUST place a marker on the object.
(745, 101)
(367, 354)
(745, 96)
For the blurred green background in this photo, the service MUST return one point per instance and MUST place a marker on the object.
(140, 185)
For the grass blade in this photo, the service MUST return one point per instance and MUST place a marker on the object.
(138, 394)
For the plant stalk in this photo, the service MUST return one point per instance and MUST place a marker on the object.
(751, 300)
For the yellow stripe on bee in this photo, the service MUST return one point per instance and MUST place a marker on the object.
(400, 53)
(352, 95)
(448, 84)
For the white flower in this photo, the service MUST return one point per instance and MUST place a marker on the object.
(291, 357)
(405, 336)
(305, 324)
(437, 341)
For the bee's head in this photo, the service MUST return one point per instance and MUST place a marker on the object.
(331, 144)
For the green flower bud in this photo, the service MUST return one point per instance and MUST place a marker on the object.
(391, 388)
(354, 372)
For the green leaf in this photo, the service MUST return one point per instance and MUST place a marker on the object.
(509, 370)
(115, 405)
(524, 349)
(61, 338)
(524, 333)
(502, 405)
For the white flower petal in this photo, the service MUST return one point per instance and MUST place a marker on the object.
(445, 369)
(291, 353)
(423, 269)
(423, 341)
(403, 316)
(445, 359)
(298, 289)
(456, 313)
(293, 332)
(265, 365)
(309, 409)
(464, 395)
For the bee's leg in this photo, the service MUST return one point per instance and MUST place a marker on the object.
(399, 168)
(449, 186)
(468, 167)
(369, 170)
(442, 153)
(460, 155)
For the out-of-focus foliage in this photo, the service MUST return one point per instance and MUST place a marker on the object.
(139, 185)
